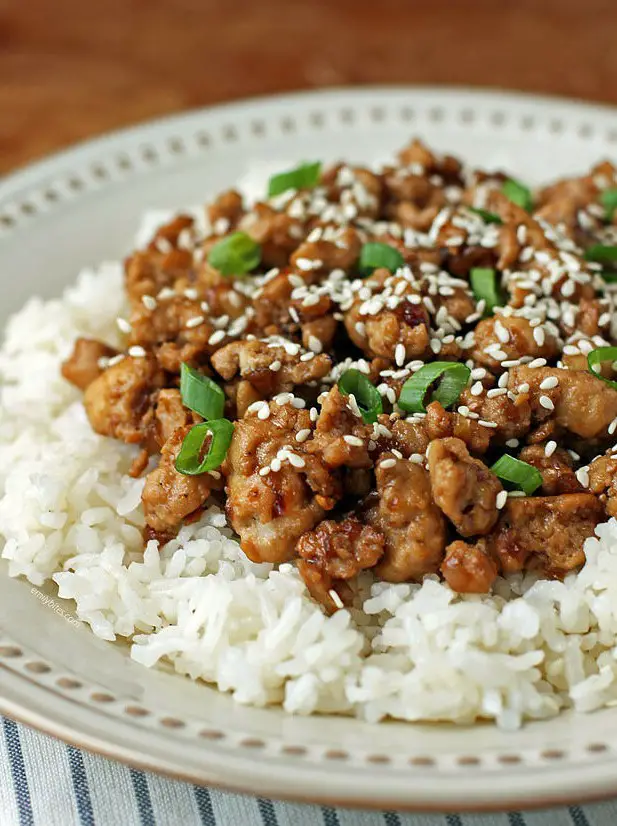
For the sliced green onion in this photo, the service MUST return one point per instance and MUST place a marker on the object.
(200, 393)
(190, 461)
(610, 277)
(518, 193)
(487, 217)
(598, 357)
(235, 255)
(367, 397)
(375, 255)
(454, 376)
(524, 476)
(608, 199)
(602, 253)
(485, 287)
(305, 176)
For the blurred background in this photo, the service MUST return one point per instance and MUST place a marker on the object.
(71, 69)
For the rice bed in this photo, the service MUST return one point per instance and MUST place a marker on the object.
(69, 512)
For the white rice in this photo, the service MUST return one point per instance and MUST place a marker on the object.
(70, 512)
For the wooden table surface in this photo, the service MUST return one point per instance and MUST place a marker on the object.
(70, 69)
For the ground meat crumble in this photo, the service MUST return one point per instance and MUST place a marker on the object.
(307, 476)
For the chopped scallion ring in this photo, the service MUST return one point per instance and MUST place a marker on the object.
(598, 357)
(367, 397)
(191, 460)
(602, 253)
(305, 176)
(201, 394)
(518, 193)
(524, 476)
(375, 255)
(487, 217)
(453, 378)
(236, 254)
(608, 199)
(485, 287)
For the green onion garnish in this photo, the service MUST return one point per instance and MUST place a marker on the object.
(367, 397)
(518, 193)
(305, 176)
(235, 255)
(375, 255)
(608, 199)
(487, 217)
(190, 461)
(524, 476)
(599, 356)
(485, 287)
(200, 393)
(602, 253)
(454, 377)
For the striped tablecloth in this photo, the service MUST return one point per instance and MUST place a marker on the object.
(43, 781)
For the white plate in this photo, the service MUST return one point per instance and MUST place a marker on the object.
(82, 206)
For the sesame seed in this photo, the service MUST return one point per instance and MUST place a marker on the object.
(477, 388)
(275, 366)
(303, 435)
(115, 360)
(307, 356)
(264, 412)
(196, 321)
(495, 392)
(484, 423)
(397, 453)
(550, 448)
(315, 344)
(512, 443)
(295, 460)
(416, 458)
(539, 336)
(313, 414)
(537, 363)
(549, 383)
(501, 499)
(338, 602)
(355, 441)
(399, 354)
(582, 474)
(264, 471)
(137, 352)
(123, 325)
(523, 388)
(501, 332)
(275, 464)
(149, 302)
(612, 427)
(387, 463)
(191, 293)
(216, 337)
(546, 402)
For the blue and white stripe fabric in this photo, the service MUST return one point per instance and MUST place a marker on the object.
(44, 782)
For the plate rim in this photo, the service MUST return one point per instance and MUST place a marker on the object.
(58, 163)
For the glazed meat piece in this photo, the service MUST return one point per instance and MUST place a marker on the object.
(177, 328)
(341, 438)
(513, 336)
(271, 509)
(335, 250)
(149, 271)
(557, 469)
(552, 529)
(169, 497)
(84, 364)
(583, 404)
(510, 417)
(120, 402)
(170, 414)
(254, 360)
(463, 487)
(337, 551)
(379, 325)
(225, 211)
(277, 233)
(468, 568)
(404, 511)
(442, 424)
(603, 481)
